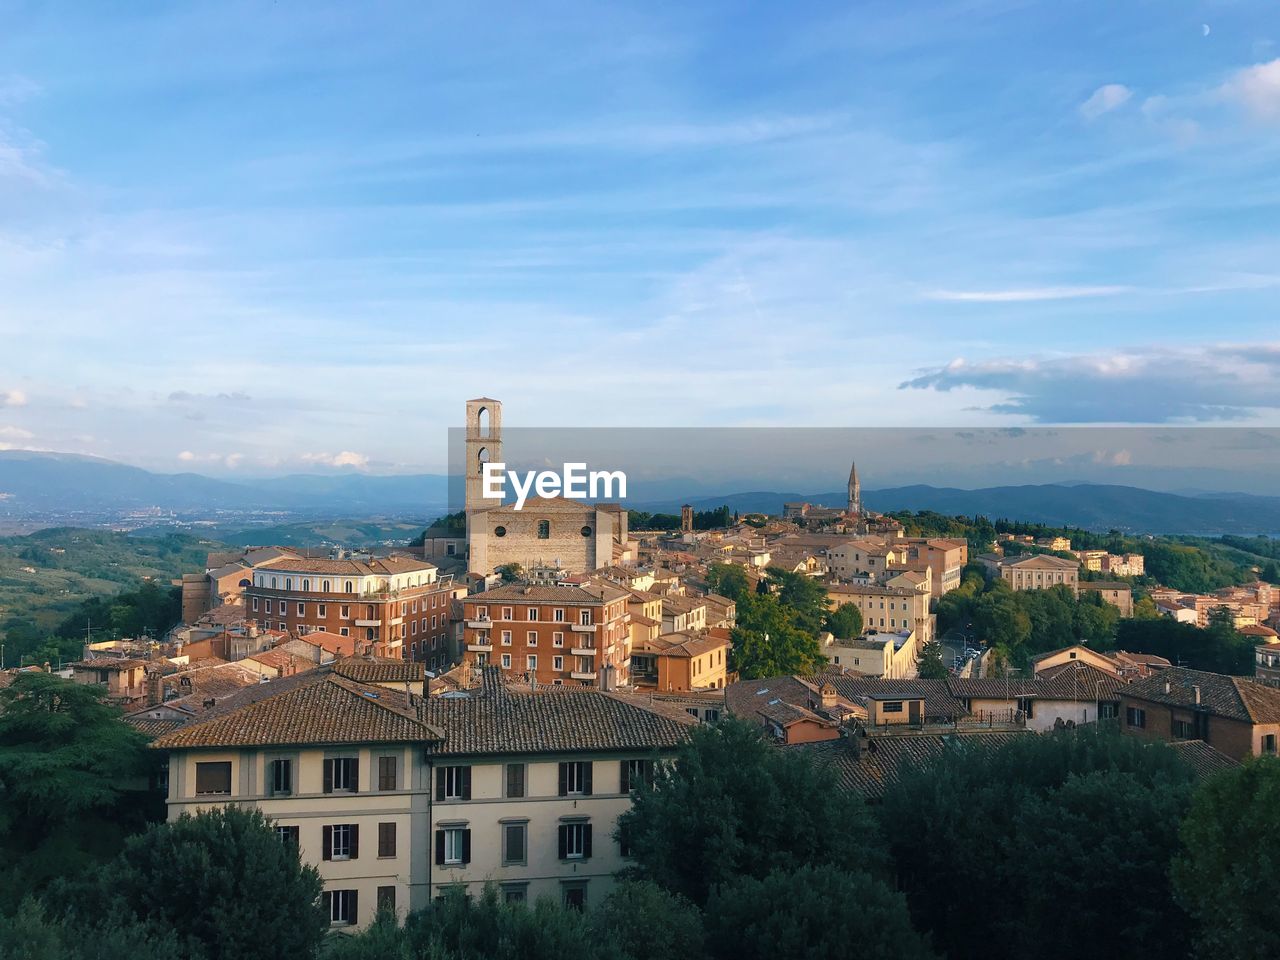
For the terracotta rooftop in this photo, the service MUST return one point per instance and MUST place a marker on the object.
(380, 670)
(534, 593)
(1234, 698)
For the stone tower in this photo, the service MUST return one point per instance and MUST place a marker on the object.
(484, 445)
(855, 491)
(686, 518)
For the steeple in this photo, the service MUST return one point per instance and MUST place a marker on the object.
(855, 491)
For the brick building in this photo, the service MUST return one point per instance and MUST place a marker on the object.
(551, 634)
(391, 606)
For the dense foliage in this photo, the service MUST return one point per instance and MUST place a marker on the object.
(778, 625)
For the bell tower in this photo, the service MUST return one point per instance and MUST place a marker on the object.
(484, 445)
(855, 491)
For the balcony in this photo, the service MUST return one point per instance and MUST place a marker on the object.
(580, 675)
(583, 651)
(480, 646)
(582, 627)
(484, 623)
(368, 623)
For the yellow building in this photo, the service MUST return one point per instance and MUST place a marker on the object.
(394, 797)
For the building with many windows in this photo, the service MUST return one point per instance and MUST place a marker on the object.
(551, 634)
(395, 797)
(394, 606)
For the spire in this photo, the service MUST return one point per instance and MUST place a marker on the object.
(855, 491)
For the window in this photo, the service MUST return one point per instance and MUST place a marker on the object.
(557, 663)
(1027, 707)
(557, 639)
(514, 843)
(287, 835)
(531, 638)
(506, 613)
(1183, 730)
(544, 529)
(575, 840)
(341, 774)
(506, 661)
(349, 587)
(531, 663)
(213, 777)
(344, 631)
(1108, 710)
(575, 778)
(345, 611)
(322, 610)
(255, 604)
(636, 772)
(1135, 717)
(387, 773)
(453, 783)
(575, 895)
(386, 899)
(280, 777)
(515, 779)
(1269, 743)
(506, 638)
(499, 531)
(453, 845)
(302, 609)
(515, 892)
(386, 840)
(891, 706)
(341, 841)
(533, 615)
(558, 615)
(341, 907)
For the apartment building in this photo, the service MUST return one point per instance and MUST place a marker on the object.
(1039, 571)
(891, 655)
(682, 662)
(1115, 592)
(394, 797)
(393, 606)
(550, 634)
(889, 607)
(943, 557)
(1238, 716)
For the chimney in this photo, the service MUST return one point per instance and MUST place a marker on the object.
(154, 695)
(1197, 690)
(828, 693)
(1168, 687)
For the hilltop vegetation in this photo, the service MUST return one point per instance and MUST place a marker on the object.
(53, 581)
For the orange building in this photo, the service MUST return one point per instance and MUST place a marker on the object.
(682, 661)
(550, 634)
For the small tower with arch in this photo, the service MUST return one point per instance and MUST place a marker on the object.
(484, 445)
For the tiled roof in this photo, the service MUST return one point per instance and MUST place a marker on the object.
(1066, 684)
(745, 697)
(882, 760)
(350, 567)
(1234, 698)
(533, 593)
(328, 709)
(153, 728)
(1041, 560)
(109, 663)
(1202, 758)
(497, 720)
(370, 670)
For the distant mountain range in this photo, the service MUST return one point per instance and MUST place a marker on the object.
(34, 483)
(1091, 506)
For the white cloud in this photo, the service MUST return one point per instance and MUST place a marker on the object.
(13, 398)
(15, 433)
(1257, 89)
(1106, 98)
(346, 458)
(1024, 294)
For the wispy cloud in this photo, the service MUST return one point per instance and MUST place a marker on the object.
(1025, 294)
(1257, 89)
(1141, 385)
(345, 458)
(1106, 98)
(13, 398)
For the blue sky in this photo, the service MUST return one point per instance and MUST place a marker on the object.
(258, 238)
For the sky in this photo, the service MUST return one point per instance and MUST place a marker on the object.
(251, 238)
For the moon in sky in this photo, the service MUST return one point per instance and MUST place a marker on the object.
(1205, 28)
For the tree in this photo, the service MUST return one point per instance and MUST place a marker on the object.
(1039, 814)
(931, 666)
(743, 807)
(222, 881)
(1218, 648)
(767, 643)
(845, 621)
(813, 912)
(1270, 572)
(649, 923)
(73, 780)
(31, 933)
(728, 580)
(1226, 875)
(511, 572)
(803, 596)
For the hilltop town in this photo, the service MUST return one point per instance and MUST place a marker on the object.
(482, 706)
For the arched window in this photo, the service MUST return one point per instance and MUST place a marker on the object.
(306, 586)
(288, 583)
(544, 529)
(482, 422)
(273, 583)
(324, 586)
(350, 589)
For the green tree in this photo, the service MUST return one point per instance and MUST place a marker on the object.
(1041, 813)
(1227, 875)
(813, 912)
(767, 642)
(222, 881)
(931, 666)
(743, 807)
(511, 572)
(73, 781)
(804, 597)
(1270, 572)
(728, 580)
(31, 933)
(649, 923)
(845, 621)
